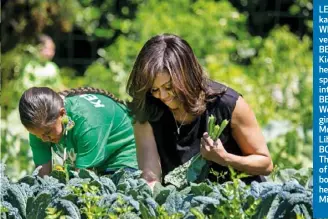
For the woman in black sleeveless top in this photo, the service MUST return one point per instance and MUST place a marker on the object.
(172, 100)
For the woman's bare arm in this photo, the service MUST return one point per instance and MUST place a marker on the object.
(147, 154)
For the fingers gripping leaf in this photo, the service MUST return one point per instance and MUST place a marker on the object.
(197, 168)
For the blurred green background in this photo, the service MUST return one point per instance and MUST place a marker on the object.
(263, 49)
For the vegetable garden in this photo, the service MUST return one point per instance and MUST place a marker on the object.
(273, 72)
(126, 195)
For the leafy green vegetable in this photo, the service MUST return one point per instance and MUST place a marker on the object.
(197, 168)
(101, 198)
(211, 121)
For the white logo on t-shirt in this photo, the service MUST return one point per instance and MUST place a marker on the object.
(93, 99)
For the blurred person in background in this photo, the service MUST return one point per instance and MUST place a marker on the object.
(41, 71)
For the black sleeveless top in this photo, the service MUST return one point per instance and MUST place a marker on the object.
(175, 149)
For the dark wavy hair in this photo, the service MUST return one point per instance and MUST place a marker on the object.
(167, 53)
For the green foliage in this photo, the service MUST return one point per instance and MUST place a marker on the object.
(89, 197)
(104, 19)
(14, 148)
(285, 64)
(97, 75)
(191, 170)
(26, 20)
(53, 213)
(208, 39)
(216, 130)
(274, 74)
(12, 66)
(288, 200)
(235, 207)
(303, 176)
(301, 7)
(291, 148)
(37, 202)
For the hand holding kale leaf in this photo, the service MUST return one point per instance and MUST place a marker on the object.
(197, 168)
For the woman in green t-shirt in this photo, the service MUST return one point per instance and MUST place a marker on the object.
(89, 125)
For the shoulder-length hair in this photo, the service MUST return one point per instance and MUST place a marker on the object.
(167, 53)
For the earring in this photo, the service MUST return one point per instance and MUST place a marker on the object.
(68, 123)
(64, 119)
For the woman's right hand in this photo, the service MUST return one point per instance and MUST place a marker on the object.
(147, 154)
(152, 184)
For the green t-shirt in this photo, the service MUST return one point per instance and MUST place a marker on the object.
(102, 136)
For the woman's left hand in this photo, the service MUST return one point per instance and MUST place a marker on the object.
(213, 150)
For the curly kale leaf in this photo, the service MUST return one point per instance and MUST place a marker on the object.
(38, 205)
(197, 168)
(108, 187)
(67, 207)
(17, 196)
(176, 202)
(10, 211)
